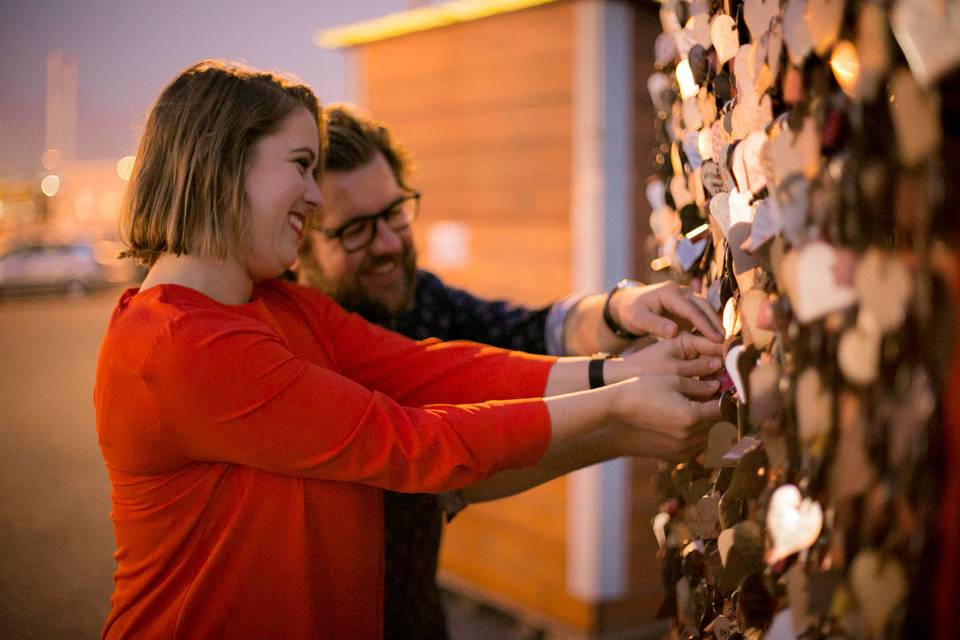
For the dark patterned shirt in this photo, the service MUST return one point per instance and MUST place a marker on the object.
(412, 604)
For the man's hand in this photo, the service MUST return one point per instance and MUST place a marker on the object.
(662, 309)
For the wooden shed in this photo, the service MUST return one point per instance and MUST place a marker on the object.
(531, 131)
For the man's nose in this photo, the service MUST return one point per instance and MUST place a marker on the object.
(387, 240)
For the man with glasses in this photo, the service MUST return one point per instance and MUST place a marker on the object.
(361, 253)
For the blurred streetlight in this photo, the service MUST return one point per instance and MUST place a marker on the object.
(50, 158)
(50, 185)
(125, 167)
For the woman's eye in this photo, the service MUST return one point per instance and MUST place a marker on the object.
(303, 163)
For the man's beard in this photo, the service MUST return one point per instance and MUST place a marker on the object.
(351, 295)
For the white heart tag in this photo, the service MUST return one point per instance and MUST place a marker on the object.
(699, 27)
(774, 45)
(665, 223)
(814, 407)
(681, 194)
(711, 175)
(733, 356)
(859, 355)
(743, 69)
(660, 522)
(753, 169)
(916, 118)
(766, 225)
(720, 210)
(751, 114)
(739, 168)
(929, 35)
(704, 145)
(723, 435)
(791, 199)
(723, 34)
(730, 319)
(792, 152)
(690, 111)
(879, 584)
(664, 50)
(884, 284)
(794, 522)
(656, 194)
(824, 18)
(719, 138)
(758, 14)
(669, 19)
(724, 544)
(796, 33)
(657, 84)
(723, 629)
(817, 291)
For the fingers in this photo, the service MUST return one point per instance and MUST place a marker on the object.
(695, 310)
(693, 346)
(640, 320)
(706, 413)
(697, 388)
(709, 313)
(700, 366)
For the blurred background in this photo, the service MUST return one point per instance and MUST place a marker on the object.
(532, 133)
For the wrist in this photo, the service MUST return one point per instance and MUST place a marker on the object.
(618, 370)
(611, 315)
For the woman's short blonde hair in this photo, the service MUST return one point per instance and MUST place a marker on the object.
(186, 193)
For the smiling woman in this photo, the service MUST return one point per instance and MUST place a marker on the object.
(249, 425)
(281, 191)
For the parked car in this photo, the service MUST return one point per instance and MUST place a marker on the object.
(70, 268)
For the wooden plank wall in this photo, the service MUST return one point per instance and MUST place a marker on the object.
(485, 108)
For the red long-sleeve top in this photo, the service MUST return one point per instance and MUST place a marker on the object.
(246, 447)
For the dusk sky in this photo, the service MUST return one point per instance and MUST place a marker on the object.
(127, 52)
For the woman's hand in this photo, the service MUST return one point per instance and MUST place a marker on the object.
(665, 416)
(684, 355)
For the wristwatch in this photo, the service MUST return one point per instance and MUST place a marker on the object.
(619, 331)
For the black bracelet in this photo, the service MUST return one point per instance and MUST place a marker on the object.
(619, 331)
(595, 370)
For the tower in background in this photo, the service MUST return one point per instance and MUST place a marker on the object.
(61, 105)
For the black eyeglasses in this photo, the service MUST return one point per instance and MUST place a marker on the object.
(360, 232)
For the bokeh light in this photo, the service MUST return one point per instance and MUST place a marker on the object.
(688, 86)
(125, 167)
(846, 66)
(50, 185)
(50, 158)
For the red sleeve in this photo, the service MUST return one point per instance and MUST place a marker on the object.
(230, 390)
(418, 373)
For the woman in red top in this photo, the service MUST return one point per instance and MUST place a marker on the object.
(248, 425)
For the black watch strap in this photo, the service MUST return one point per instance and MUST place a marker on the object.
(595, 370)
(619, 331)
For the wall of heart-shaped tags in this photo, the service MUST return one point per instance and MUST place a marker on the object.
(798, 181)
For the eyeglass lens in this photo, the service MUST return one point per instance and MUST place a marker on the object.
(362, 232)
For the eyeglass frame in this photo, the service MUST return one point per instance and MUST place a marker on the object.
(337, 233)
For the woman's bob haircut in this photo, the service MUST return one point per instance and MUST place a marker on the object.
(186, 194)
